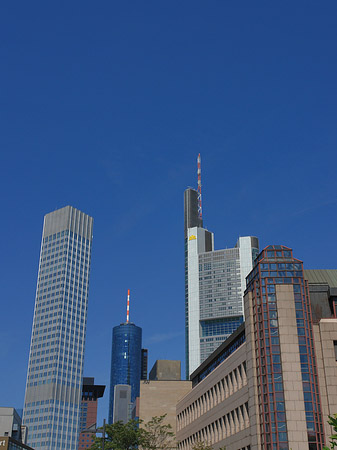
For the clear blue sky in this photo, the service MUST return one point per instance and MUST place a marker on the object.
(105, 106)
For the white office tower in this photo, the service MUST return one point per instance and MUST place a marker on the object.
(54, 379)
(215, 281)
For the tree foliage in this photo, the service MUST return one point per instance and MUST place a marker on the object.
(200, 445)
(153, 435)
(120, 436)
(158, 435)
(333, 438)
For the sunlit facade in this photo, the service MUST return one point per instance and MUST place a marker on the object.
(54, 379)
(273, 383)
(214, 285)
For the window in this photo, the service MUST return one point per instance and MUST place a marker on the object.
(335, 348)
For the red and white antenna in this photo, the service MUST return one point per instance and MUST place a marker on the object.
(128, 308)
(199, 188)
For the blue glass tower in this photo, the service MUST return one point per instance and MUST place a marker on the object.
(125, 360)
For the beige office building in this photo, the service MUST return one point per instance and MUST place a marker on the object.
(272, 383)
(160, 394)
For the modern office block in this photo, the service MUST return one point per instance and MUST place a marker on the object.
(122, 403)
(214, 285)
(273, 382)
(10, 423)
(166, 370)
(91, 392)
(54, 379)
(159, 397)
(125, 361)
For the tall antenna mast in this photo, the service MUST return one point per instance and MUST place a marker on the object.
(128, 308)
(199, 188)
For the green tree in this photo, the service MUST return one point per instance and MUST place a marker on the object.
(158, 435)
(120, 436)
(333, 438)
(199, 445)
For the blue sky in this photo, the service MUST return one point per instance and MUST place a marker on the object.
(105, 106)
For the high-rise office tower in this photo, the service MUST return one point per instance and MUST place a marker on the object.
(214, 283)
(281, 319)
(88, 415)
(54, 379)
(126, 362)
(273, 383)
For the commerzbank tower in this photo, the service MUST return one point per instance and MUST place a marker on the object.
(215, 281)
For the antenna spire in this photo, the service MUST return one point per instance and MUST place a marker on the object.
(128, 308)
(199, 188)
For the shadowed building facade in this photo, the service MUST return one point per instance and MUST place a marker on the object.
(54, 379)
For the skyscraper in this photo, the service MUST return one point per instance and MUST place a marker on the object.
(214, 283)
(54, 378)
(126, 363)
(273, 383)
(281, 319)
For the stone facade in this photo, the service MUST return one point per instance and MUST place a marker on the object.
(161, 397)
(262, 386)
(165, 370)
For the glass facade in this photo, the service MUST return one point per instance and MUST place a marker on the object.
(224, 354)
(126, 360)
(275, 266)
(220, 326)
(54, 379)
(215, 281)
(220, 295)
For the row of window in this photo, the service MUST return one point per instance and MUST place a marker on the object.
(63, 244)
(269, 370)
(54, 380)
(223, 389)
(227, 425)
(53, 401)
(66, 233)
(220, 326)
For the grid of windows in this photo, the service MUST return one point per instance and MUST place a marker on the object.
(270, 378)
(220, 326)
(308, 366)
(125, 360)
(214, 332)
(220, 296)
(220, 284)
(54, 378)
(83, 415)
(276, 265)
(225, 353)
